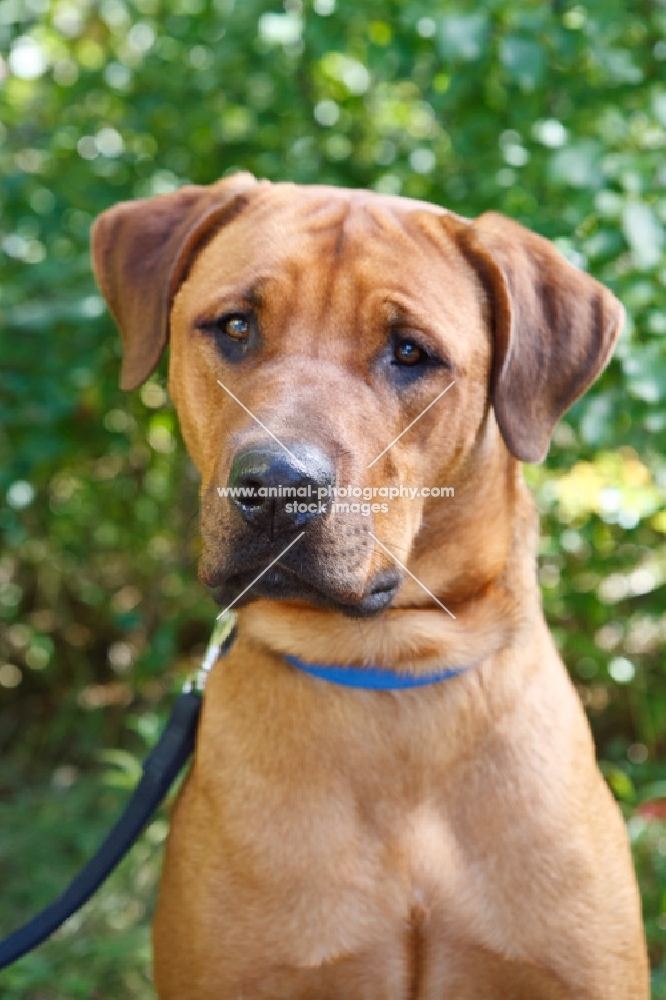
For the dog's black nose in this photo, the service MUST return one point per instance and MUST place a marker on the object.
(278, 490)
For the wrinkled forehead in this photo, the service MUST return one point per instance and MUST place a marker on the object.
(283, 227)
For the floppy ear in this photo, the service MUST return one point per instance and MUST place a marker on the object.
(141, 251)
(554, 329)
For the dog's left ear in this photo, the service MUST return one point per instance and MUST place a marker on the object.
(141, 251)
(554, 329)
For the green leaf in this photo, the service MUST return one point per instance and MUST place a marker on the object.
(463, 36)
(644, 234)
(524, 60)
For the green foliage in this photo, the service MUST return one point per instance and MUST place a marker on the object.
(553, 113)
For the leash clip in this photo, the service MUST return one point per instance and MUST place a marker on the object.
(219, 641)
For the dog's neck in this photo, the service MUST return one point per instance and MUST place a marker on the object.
(492, 594)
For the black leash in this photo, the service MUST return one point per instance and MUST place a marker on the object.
(160, 770)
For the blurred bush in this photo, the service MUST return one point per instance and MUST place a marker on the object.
(554, 113)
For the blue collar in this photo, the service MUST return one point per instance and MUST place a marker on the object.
(371, 678)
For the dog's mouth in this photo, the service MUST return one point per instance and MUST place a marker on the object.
(280, 583)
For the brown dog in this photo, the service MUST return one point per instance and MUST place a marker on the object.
(454, 840)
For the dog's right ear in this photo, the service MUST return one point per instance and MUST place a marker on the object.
(141, 251)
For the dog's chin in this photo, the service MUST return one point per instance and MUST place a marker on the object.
(280, 585)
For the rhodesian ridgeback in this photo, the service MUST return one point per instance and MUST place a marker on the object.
(394, 793)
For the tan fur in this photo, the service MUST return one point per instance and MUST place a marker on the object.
(455, 841)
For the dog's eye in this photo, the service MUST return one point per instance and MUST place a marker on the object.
(408, 353)
(234, 334)
(235, 325)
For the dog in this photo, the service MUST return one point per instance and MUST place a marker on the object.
(448, 835)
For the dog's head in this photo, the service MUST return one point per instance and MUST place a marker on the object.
(331, 347)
